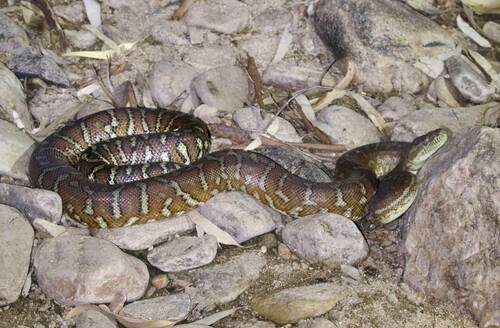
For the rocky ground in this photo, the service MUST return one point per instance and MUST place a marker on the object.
(300, 81)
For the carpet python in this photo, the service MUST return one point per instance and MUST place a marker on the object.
(130, 166)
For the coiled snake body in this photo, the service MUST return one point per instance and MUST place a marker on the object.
(128, 156)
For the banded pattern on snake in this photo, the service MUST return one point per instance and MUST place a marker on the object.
(133, 165)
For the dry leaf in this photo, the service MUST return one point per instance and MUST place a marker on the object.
(93, 9)
(211, 319)
(487, 67)
(471, 33)
(371, 112)
(211, 229)
(285, 42)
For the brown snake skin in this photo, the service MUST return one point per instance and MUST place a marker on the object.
(135, 150)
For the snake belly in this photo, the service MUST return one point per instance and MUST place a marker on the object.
(144, 142)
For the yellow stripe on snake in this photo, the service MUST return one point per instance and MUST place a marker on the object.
(134, 165)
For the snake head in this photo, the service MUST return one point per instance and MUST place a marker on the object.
(424, 147)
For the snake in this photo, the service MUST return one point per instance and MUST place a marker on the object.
(126, 166)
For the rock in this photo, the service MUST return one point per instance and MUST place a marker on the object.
(143, 236)
(394, 108)
(350, 271)
(13, 39)
(33, 203)
(225, 87)
(296, 162)
(469, 80)
(458, 120)
(208, 114)
(13, 107)
(293, 77)
(16, 240)
(160, 281)
(169, 79)
(184, 253)
(74, 13)
(252, 119)
(261, 47)
(78, 269)
(271, 19)
(81, 39)
(224, 16)
(492, 31)
(170, 33)
(94, 319)
(29, 64)
(15, 151)
(345, 126)
(384, 38)
(220, 283)
(212, 56)
(316, 323)
(173, 307)
(240, 215)
(326, 238)
(294, 304)
(457, 210)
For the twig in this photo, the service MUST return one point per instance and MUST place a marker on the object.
(334, 148)
(179, 13)
(106, 90)
(256, 78)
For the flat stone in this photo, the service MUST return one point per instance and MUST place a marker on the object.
(15, 152)
(81, 39)
(16, 240)
(457, 210)
(29, 64)
(394, 108)
(183, 253)
(94, 319)
(384, 38)
(220, 283)
(327, 238)
(173, 307)
(33, 203)
(77, 270)
(225, 87)
(469, 80)
(170, 33)
(254, 120)
(240, 215)
(143, 236)
(294, 304)
(13, 106)
(224, 16)
(74, 12)
(345, 126)
(262, 47)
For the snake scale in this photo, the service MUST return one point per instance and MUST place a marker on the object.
(133, 165)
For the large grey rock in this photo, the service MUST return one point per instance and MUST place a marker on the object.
(80, 269)
(15, 151)
(224, 16)
(457, 210)
(220, 283)
(384, 38)
(294, 304)
(225, 87)
(33, 203)
(345, 126)
(328, 238)
(143, 236)
(13, 107)
(184, 253)
(458, 120)
(240, 215)
(16, 239)
(173, 307)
